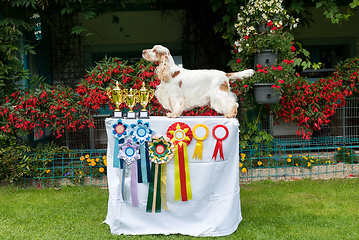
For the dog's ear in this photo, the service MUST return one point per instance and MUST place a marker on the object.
(163, 70)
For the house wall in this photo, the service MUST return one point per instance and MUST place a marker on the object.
(137, 30)
(323, 32)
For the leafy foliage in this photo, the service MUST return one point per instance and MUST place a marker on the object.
(17, 162)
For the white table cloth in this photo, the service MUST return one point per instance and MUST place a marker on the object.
(215, 208)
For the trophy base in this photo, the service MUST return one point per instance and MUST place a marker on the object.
(117, 114)
(131, 115)
(144, 114)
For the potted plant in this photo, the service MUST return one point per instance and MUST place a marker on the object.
(262, 28)
(268, 81)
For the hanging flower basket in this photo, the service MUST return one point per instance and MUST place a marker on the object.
(265, 58)
(264, 93)
(263, 27)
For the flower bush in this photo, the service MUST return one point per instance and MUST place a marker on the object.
(258, 12)
(348, 72)
(346, 155)
(33, 110)
(95, 166)
(312, 104)
(265, 159)
(105, 74)
(93, 88)
(62, 108)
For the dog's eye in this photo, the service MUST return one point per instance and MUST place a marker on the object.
(154, 50)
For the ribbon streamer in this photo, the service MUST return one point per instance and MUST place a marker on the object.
(126, 185)
(219, 144)
(154, 191)
(161, 151)
(116, 160)
(164, 186)
(142, 134)
(129, 152)
(129, 185)
(143, 165)
(181, 135)
(198, 151)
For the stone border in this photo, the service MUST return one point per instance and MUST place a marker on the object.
(339, 170)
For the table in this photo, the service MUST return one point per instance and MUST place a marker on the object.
(215, 208)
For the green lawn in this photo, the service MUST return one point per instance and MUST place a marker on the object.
(307, 209)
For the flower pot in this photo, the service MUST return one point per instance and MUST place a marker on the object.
(265, 58)
(262, 27)
(265, 94)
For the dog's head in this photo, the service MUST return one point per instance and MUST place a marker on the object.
(157, 53)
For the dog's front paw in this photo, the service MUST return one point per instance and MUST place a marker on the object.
(248, 73)
(172, 115)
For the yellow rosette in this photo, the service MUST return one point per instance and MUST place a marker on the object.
(198, 151)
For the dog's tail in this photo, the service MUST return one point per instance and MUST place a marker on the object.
(240, 75)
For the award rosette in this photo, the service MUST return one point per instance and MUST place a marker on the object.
(120, 132)
(142, 134)
(128, 151)
(161, 152)
(181, 135)
(202, 134)
(219, 145)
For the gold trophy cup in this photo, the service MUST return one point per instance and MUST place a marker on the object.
(116, 96)
(131, 100)
(144, 98)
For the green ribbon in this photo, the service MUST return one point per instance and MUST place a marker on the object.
(151, 191)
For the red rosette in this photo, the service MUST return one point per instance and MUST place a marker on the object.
(180, 132)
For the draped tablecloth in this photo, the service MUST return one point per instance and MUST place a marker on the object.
(215, 208)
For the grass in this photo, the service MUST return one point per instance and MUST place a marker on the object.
(306, 209)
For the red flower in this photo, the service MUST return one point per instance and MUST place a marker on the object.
(245, 86)
(238, 60)
(292, 48)
(281, 81)
(245, 37)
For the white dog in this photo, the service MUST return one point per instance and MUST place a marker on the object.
(182, 89)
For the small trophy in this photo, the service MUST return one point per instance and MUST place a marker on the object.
(145, 97)
(116, 97)
(131, 100)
